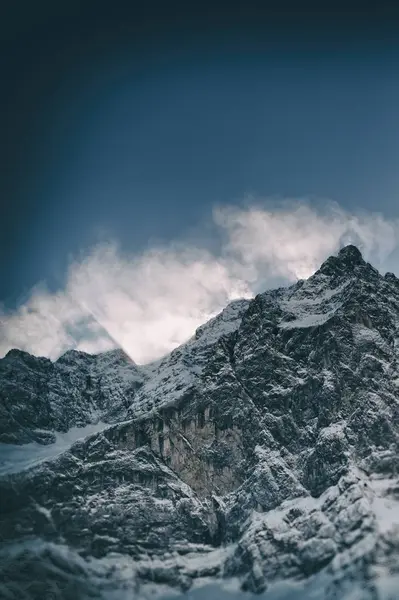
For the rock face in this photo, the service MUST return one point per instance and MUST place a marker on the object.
(263, 451)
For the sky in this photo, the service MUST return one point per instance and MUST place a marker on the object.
(160, 160)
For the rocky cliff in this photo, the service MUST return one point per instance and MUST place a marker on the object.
(263, 452)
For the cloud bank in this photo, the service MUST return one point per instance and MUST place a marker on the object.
(149, 304)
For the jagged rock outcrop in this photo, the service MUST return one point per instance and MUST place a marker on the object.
(39, 397)
(264, 450)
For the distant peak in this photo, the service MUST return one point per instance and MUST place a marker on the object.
(351, 254)
(118, 354)
(15, 352)
(72, 355)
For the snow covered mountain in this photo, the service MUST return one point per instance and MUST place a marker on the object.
(262, 453)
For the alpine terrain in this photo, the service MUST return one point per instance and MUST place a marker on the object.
(260, 457)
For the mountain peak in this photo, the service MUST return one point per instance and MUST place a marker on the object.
(351, 254)
(347, 259)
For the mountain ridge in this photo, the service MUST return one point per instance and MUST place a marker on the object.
(265, 454)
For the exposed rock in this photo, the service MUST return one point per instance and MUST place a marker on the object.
(264, 450)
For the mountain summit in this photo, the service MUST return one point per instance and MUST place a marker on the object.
(263, 452)
(351, 254)
(349, 258)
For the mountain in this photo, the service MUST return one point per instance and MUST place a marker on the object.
(261, 457)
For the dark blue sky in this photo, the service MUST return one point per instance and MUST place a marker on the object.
(133, 127)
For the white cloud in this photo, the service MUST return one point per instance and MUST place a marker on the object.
(293, 240)
(148, 304)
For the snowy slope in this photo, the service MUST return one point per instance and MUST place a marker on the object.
(19, 457)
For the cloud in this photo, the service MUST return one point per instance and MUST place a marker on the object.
(148, 304)
(294, 239)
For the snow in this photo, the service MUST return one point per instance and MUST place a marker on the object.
(385, 507)
(329, 379)
(114, 576)
(311, 304)
(362, 333)
(333, 431)
(224, 323)
(15, 458)
(168, 378)
(311, 320)
(117, 363)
